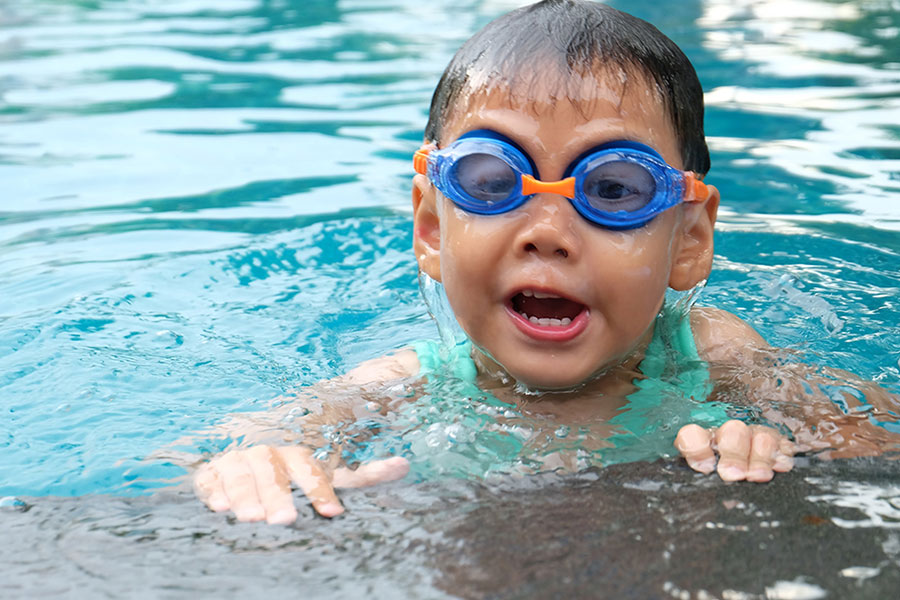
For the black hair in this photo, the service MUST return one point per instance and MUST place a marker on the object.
(579, 37)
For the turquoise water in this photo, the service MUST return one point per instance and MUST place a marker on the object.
(205, 204)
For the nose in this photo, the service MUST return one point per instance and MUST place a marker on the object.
(551, 228)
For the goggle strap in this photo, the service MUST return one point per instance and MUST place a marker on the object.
(564, 187)
(695, 190)
(420, 159)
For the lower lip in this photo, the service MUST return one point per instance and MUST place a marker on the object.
(561, 333)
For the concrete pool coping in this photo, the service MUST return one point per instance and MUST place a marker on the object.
(639, 530)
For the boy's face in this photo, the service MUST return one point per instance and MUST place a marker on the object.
(610, 284)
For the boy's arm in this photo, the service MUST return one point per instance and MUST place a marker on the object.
(399, 365)
(255, 483)
(793, 393)
(789, 394)
(735, 450)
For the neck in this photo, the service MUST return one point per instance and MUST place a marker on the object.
(601, 396)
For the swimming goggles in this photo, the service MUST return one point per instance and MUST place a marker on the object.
(619, 185)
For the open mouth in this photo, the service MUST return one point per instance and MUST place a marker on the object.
(546, 310)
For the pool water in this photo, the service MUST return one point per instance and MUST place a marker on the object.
(206, 204)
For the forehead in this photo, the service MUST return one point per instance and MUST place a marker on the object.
(567, 115)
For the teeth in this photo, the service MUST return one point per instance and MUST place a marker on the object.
(548, 322)
(539, 295)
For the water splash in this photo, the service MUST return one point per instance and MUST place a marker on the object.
(788, 289)
(879, 504)
(439, 308)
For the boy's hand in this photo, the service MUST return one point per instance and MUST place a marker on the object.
(255, 483)
(752, 453)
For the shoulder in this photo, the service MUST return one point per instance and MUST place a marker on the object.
(723, 337)
(399, 365)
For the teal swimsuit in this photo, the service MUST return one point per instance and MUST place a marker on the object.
(672, 393)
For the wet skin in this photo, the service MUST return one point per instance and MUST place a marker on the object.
(493, 267)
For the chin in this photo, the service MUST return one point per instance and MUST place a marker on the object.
(549, 384)
(541, 371)
(557, 375)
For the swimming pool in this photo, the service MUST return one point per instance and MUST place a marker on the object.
(205, 205)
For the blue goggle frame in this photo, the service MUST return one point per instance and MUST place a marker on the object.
(670, 187)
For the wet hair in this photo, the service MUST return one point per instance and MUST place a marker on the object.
(580, 38)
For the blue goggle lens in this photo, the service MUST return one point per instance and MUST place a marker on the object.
(610, 187)
(618, 186)
(485, 177)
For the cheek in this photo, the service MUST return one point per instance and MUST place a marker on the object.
(464, 273)
(641, 253)
(455, 276)
(641, 268)
(458, 263)
(471, 247)
(643, 288)
(468, 297)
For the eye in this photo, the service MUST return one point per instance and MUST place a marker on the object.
(486, 177)
(619, 186)
(612, 190)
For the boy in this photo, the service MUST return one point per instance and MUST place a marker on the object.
(559, 194)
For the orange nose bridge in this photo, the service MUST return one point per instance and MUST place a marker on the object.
(563, 187)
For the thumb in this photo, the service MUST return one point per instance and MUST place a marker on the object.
(377, 471)
(695, 445)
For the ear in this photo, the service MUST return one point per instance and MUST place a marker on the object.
(426, 227)
(693, 257)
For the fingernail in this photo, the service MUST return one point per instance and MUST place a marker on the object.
(400, 467)
(760, 475)
(282, 517)
(330, 509)
(784, 463)
(704, 466)
(218, 503)
(732, 473)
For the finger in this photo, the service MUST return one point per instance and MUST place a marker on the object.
(371, 473)
(784, 460)
(733, 440)
(273, 486)
(209, 489)
(695, 445)
(763, 453)
(305, 471)
(239, 485)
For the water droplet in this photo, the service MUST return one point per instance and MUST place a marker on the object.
(12, 504)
